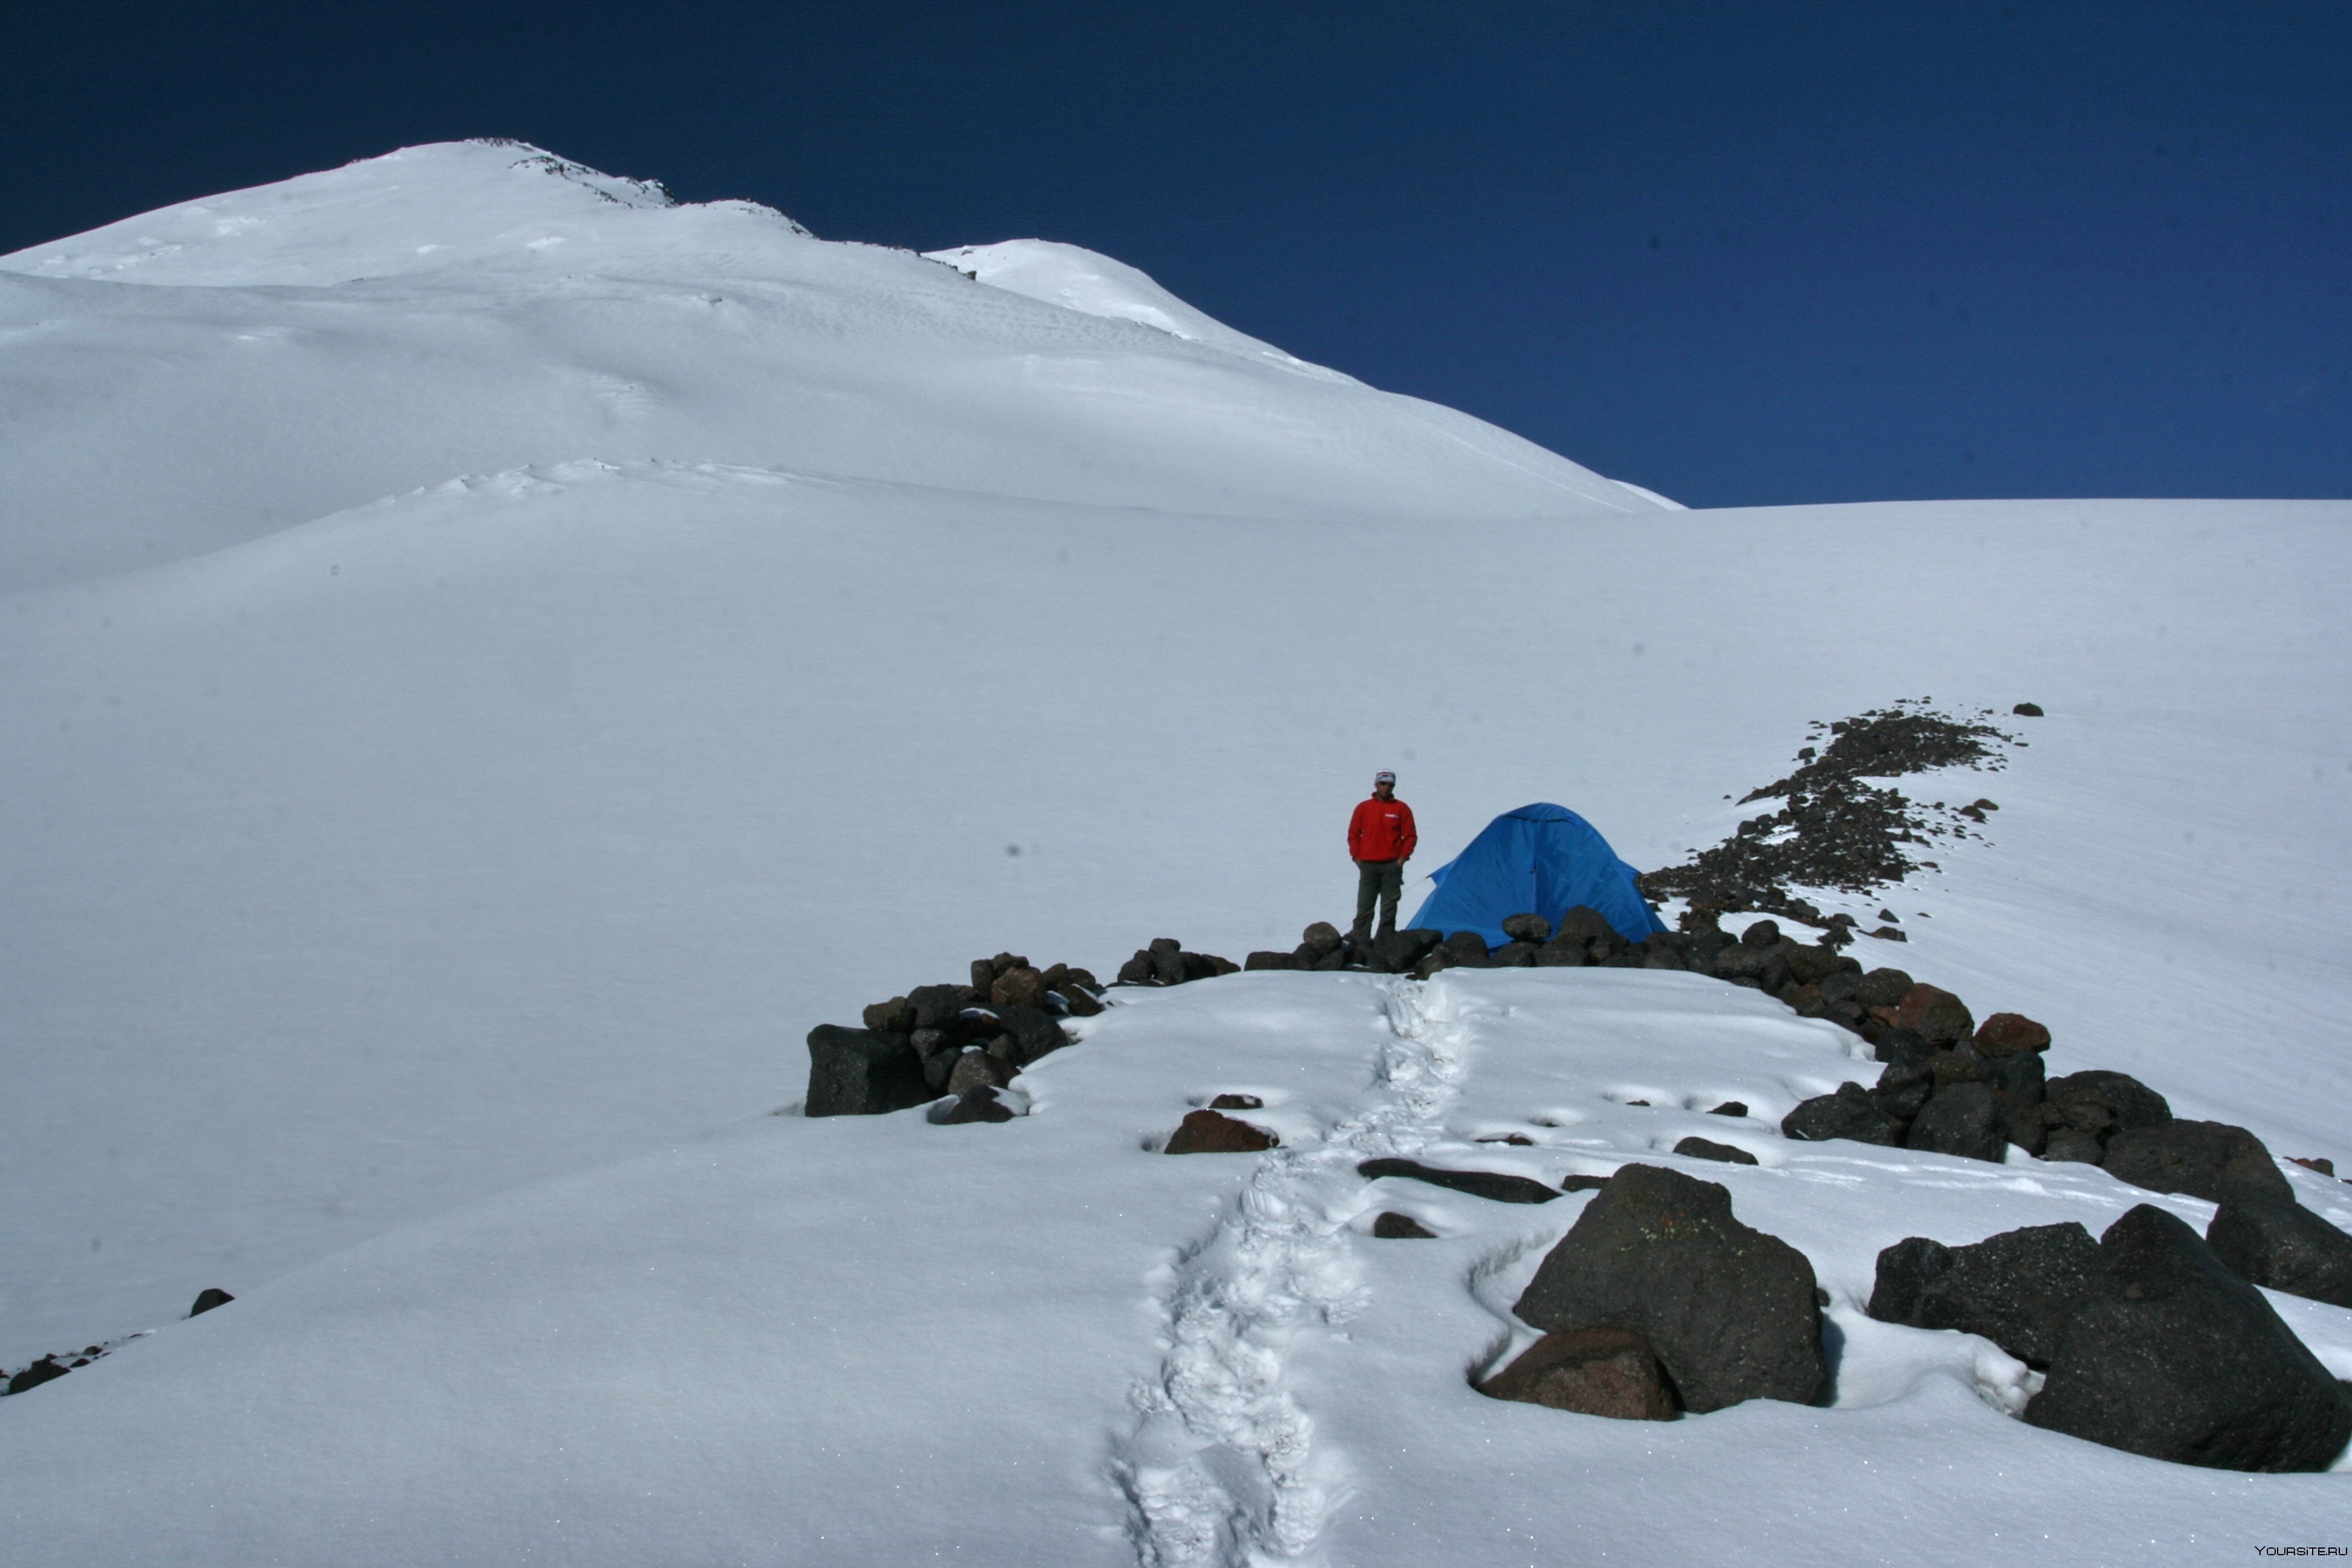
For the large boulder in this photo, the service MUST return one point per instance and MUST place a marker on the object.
(1592, 1372)
(1515, 955)
(1810, 965)
(2015, 1289)
(2099, 1103)
(1731, 1312)
(1935, 1014)
(1962, 1119)
(1528, 928)
(1849, 1113)
(1468, 948)
(1034, 1031)
(2210, 1160)
(1696, 1148)
(2171, 1355)
(1585, 922)
(860, 1072)
(1320, 938)
(1565, 953)
(1401, 949)
(1265, 960)
(2283, 1246)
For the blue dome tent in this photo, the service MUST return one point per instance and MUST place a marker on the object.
(1539, 859)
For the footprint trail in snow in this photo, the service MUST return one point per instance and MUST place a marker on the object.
(1221, 1467)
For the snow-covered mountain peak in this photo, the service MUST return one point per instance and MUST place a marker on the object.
(421, 209)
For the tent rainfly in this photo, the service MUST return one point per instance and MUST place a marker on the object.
(1540, 859)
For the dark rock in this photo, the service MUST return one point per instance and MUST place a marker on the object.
(1401, 949)
(935, 1004)
(2100, 1102)
(1020, 986)
(1903, 1088)
(1888, 933)
(1209, 1132)
(1514, 955)
(1948, 1068)
(1564, 952)
(2028, 710)
(2325, 1167)
(1394, 1227)
(1528, 928)
(981, 1104)
(1731, 1312)
(1582, 1183)
(1849, 1113)
(1432, 963)
(1515, 1140)
(1812, 964)
(1900, 1046)
(1963, 1120)
(1657, 955)
(2014, 1288)
(2283, 1246)
(2018, 1075)
(1262, 960)
(1763, 933)
(1138, 971)
(1592, 1372)
(978, 1070)
(1326, 961)
(2210, 1160)
(1167, 962)
(1839, 984)
(1881, 988)
(1467, 947)
(895, 1016)
(1498, 1185)
(2071, 1148)
(2007, 1034)
(1238, 1102)
(207, 1299)
(2021, 1122)
(1731, 1107)
(1320, 938)
(1584, 921)
(45, 1369)
(1034, 1031)
(1935, 1014)
(857, 1072)
(1741, 962)
(2170, 1356)
(1082, 1003)
(1696, 1148)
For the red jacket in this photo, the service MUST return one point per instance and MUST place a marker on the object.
(1381, 830)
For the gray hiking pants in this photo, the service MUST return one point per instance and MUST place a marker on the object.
(1381, 881)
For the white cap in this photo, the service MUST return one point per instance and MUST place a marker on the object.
(1384, 776)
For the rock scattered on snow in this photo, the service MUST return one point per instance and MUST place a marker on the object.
(1696, 1148)
(2284, 1246)
(2210, 1160)
(1592, 1372)
(207, 1299)
(1214, 1132)
(1500, 1186)
(1393, 1227)
(2171, 1355)
(2015, 1289)
(1732, 1314)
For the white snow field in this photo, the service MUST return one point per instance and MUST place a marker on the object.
(490, 659)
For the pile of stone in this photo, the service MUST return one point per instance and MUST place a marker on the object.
(2152, 1340)
(965, 1041)
(1165, 963)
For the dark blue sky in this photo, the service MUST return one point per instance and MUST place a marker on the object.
(1742, 253)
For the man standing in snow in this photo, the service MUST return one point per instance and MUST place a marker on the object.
(1381, 839)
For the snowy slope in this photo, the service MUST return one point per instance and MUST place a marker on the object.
(273, 355)
(416, 905)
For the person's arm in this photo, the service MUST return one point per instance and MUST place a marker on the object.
(1356, 832)
(1411, 837)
